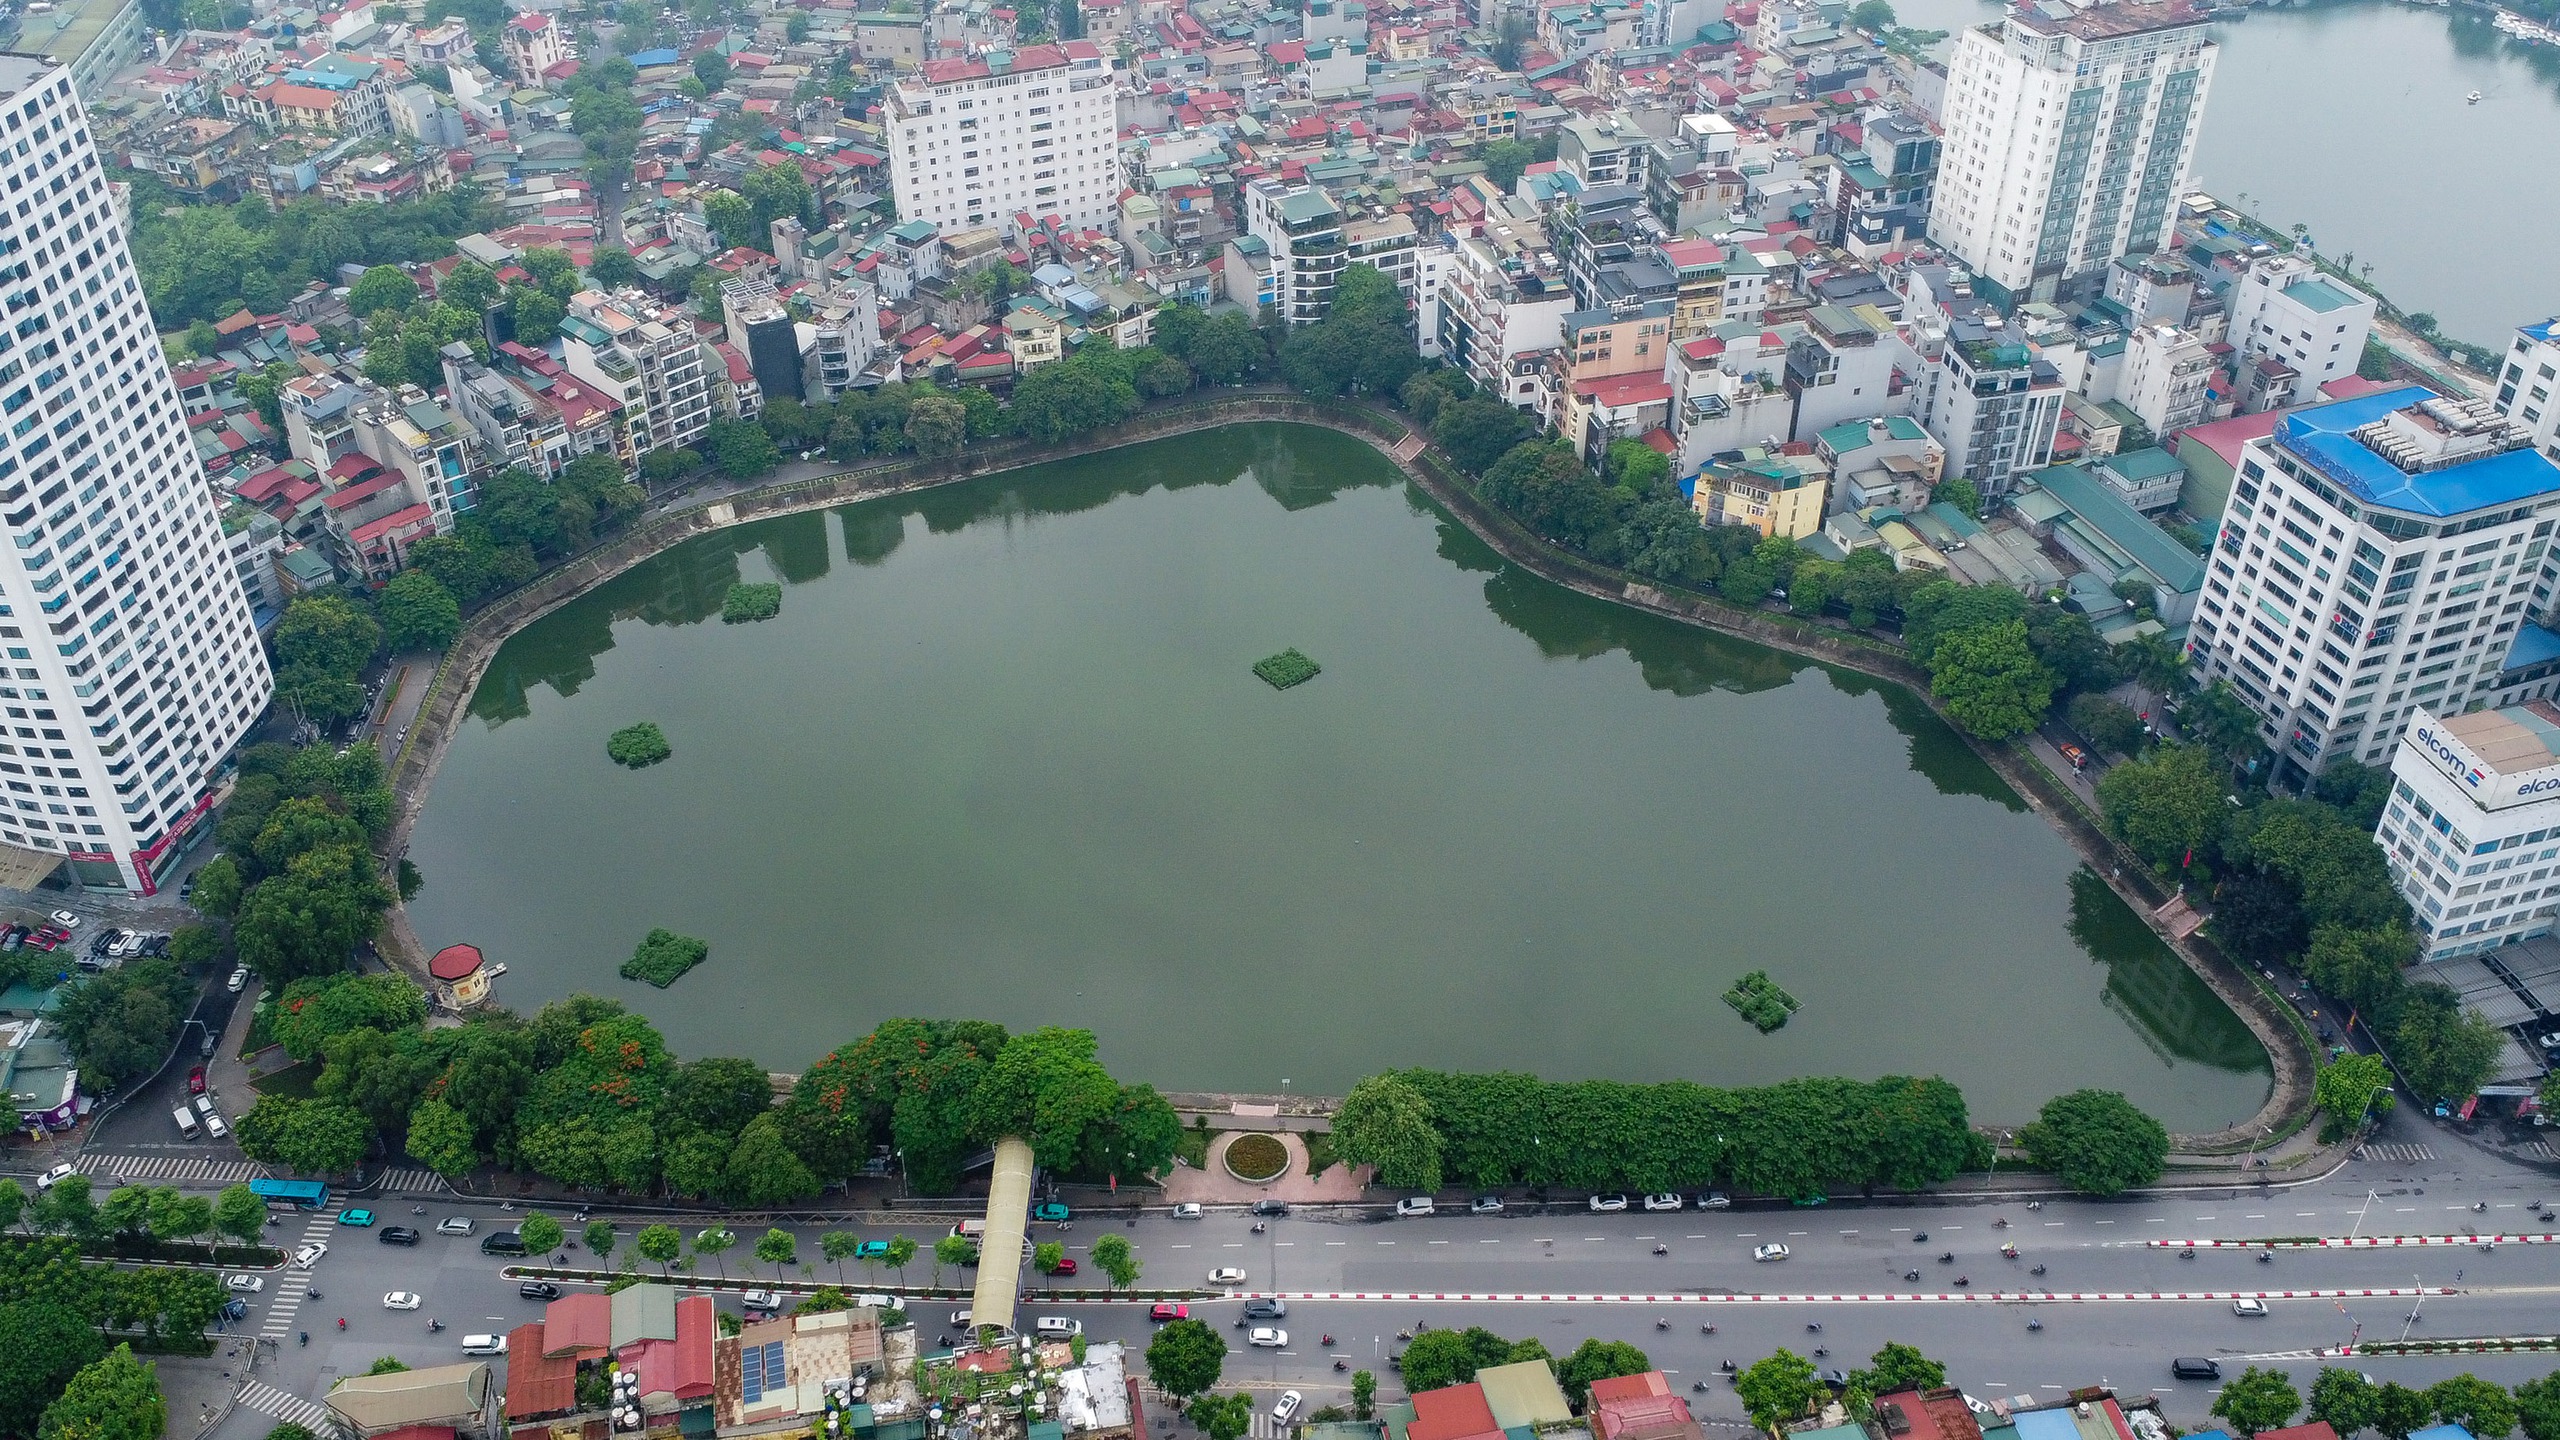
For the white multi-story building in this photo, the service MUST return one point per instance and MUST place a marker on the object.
(132, 665)
(646, 360)
(1007, 134)
(2473, 825)
(1502, 305)
(2167, 373)
(1301, 230)
(2069, 135)
(1987, 398)
(2378, 554)
(2530, 381)
(2295, 330)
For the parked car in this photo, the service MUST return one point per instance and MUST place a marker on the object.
(1187, 1210)
(1273, 1309)
(1413, 1205)
(1270, 1207)
(1056, 1327)
(871, 1250)
(1608, 1204)
(54, 1176)
(245, 1284)
(398, 1235)
(1287, 1409)
(239, 980)
(310, 1255)
(1051, 1210)
(1485, 1205)
(1715, 1200)
(358, 1218)
(2249, 1309)
(2195, 1367)
(401, 1300)
(1662, 1202)
(214, 1125)
(502, 1242)
(195, 1081)
(761, 1300)
(1266, 1338)
(157, 947)
(42, 940)
(66, 920)
(1066, 1265)
(1770, 1251)
(454, 1225)
(538, 1290)
(484, 1344)
(1226, 1275)
(107, 940)
(1163, 1313)
(1836, 1378)
(959, 1319)
(2073, 756)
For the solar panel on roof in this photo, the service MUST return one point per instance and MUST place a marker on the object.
(751, 1380)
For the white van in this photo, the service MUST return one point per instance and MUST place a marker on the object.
(1056, 1327)
(970, 1229)
(484, 1344)
(186, 1119)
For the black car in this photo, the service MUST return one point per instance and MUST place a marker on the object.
(398, 1235)
(2195, 1367)
(538, 1290)
(1270, 1207)
(1266, 1309)
(504, 1242)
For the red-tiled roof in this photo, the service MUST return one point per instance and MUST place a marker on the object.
(1458, 1412)
(579, 1326)
(393, 524)
(452, 963)
(537, 1383)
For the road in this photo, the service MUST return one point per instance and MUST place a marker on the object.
(2086, 1246)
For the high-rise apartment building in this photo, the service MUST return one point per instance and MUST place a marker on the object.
(2473, 825)
(645, 359)
(132, 666)
(1007, 138)
(2529, 384)
(2069, 134)
(2378, 554)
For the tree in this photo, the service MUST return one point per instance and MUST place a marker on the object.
(762, 1172)
(113, 1398)
(1223, 1417)
(326, 633)
(1364, 1395)
(937, 425)
(1385, 1122)
(600, 1241)
(660, 1245)
(418, 612)
(1875, 17)
(2258, 1401)
(2398, 1410)
(311, 1137)
(2110, 726)
(1479, 430)
(1898, 1367)
(535, 313)
(741, 449)
(66, 1209)
(1440, 1358)
(1185, 1358)
(218, 887)
(838, 1246)
(611, 267)
(2445, 1050)
(2346, 1090)
(1047, 1256)
(715, 1241)
(1505, 161)
(383, 287)
(2537, 1407)
(1990, 681)
(2167, 806)
(955, 1251)
(2096, 1142)
(1779, 1389)
(440, 1138)
(777, 1248)
(120, 1024)
(2477, 1405)
(1111, 1253)
(903, 1249)
(240, 1214)
(541, 1233)
(1598, 1360)
(13, 1203)
(2343, 1399)
(42, 1346)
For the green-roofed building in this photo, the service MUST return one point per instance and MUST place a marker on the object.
(2111, 538)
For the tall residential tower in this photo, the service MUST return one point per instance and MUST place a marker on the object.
(1007, 138)
(2069, 134)
(132, 665)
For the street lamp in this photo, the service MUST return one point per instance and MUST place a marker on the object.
(2412, 1321)
(2360, 1214)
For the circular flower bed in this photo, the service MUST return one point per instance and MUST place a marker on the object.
(1256, 1158)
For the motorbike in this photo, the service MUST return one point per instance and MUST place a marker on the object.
(1404, 1334)
(417, 1209)
(2002, 1223)
(2038, 1270)
(1661, 1324)
(1946, 1257)
(1661, 1249)
(1259, 1227)
(1821, 1350)
(306, 1338)
(1707, 1329)
(2035, 1324)
(1699, 1386)
(2187, 1254)
(1813, 1327)
(1341, 1364)
(1727, 1367)
(2009, 1251)
(2480, 1206)
(2488, 1249)
(315, 1294)
(1919, 1237)
(2264, 1258)
(2035, 1204)
(434, 1325)
(1963, 1281)
(342, 1322)
(1328, 1339)
(1910, 1274)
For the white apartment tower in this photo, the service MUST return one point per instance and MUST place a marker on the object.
(132, 665)
(2378, 555)
(2529, 384)
(1007, 138)
(2473, 825)
(2069, 134)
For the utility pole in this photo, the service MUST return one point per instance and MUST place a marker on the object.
(2360, 1214)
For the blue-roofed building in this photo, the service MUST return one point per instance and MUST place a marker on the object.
(2377, 555)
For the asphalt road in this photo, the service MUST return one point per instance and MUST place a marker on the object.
(1842, 1249)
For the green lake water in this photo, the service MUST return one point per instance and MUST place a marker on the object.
(1003, 755)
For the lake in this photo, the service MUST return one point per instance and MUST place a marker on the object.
(1002, 755)
(2350, 117)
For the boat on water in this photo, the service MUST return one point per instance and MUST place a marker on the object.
(2473, 97)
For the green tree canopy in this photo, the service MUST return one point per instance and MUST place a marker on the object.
(1781, 1388)
(2259, 1400)
(418, 612)
(1990, 681)
(1597, 1359)
(113, 1398)
(2096, 1142)
(1186, 1358)
(2167, 806)
(1385, 1122)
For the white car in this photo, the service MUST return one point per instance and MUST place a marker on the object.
(66, 919)
(455, 1225)
(245, 1284)
(484, 1344)
(239, 980)
(400, 1300)
(1266, 1337)
(1771, 1251)
(1413, 1205)
(2251, 1309)
(53, 1177)
(959, 1319)
(1056, 1327)
(1287, 1409)
(309, 1255)
(761, 1300)
(1608, 1204)
(1226, 1275)
(1662, 1202)
(1187, 1210)
(130, 945)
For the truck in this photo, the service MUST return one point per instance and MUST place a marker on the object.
(186, 1118)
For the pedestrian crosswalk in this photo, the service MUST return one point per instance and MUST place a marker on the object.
(2541, 1150)
(287, 1289)
(267, 1400)
(418, 1180)
(181, 1167)
(2399, 1154)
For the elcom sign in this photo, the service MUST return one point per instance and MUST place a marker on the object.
(2487, 788)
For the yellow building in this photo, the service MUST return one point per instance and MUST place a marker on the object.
(1773, 494)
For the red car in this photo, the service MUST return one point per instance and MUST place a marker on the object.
(1162, 1313)
(42, 941)
(195, 1081)
(1066, 1266)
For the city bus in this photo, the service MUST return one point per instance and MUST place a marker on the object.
(301, 1194)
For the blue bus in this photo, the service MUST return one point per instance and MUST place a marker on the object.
(301, 1194)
